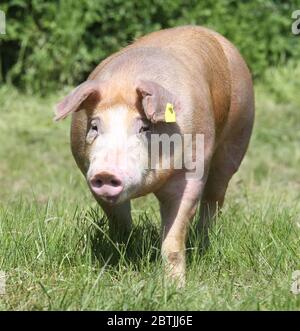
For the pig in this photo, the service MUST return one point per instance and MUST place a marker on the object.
(204, 79)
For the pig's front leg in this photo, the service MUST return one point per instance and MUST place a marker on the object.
(119, 217)
(178, 202)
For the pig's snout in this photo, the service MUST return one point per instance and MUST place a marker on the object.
(106, 185)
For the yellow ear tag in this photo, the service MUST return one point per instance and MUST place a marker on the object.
(170, 116)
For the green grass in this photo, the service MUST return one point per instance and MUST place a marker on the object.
(54, 245)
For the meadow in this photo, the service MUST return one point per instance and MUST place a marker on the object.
(54, 243)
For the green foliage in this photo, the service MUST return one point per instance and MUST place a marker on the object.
(277, 82)
(53, 43)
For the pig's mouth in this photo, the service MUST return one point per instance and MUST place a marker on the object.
(112, 200)
(111, 196)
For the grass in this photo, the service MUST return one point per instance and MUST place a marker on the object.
(54, 244)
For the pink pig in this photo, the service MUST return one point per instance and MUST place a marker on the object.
(199, 74)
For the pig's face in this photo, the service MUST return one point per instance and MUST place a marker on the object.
(117, 153)
(117, 141)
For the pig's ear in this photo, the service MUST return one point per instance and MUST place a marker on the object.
(154, 99)
(73, 101)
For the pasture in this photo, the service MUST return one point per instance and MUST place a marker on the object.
(54, 244)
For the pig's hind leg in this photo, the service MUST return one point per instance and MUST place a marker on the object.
(212, 199)
(225, 162)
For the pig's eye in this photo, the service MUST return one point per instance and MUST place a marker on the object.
(93, 131)
(144, 128)
(142, 125)
(94, 125)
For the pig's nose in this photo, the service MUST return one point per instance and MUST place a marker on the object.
(106, 185)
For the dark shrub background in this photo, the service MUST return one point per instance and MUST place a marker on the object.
(49, 44)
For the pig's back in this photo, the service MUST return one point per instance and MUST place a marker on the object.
(211, 55)
(195, 59)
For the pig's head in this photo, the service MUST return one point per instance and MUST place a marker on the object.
(115, 149)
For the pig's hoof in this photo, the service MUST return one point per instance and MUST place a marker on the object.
(175, 269)
(175, 278)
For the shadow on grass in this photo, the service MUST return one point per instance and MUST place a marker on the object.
(143, 245)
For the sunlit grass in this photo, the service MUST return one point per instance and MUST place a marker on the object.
(54, 243)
